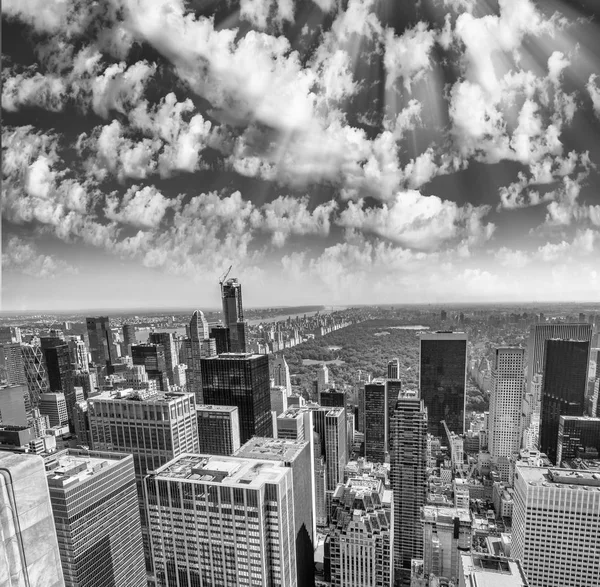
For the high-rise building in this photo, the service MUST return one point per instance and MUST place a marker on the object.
(29, 554)
(100, 341)
(11, 359)
(81, 423)
(298, 456)
(393, 369)
(233, 315)
(332, 398)
(54, 405)
(129, 338)
(563, 388)
(446, 533)
(540, 333)
(14, 404)
(152, 357)
(442, 379)
(505, 407)
(242, 380)
(35, 372)
(376, 420)
(322, 379)
(361, 535)
(220, 334)
(556, 526)
(165, 339)
(408, 473)
(218, 429)
(60, 370)
(483, 570)
(279, 402)
(578, 437)
(280, 373)
(97, 518)
(79, 354)
(198, 346)
(220, 521)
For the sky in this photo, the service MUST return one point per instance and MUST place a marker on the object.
(333, 152)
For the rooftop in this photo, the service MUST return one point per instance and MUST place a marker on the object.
(205, 408)
(136, 395)
(576, 479)
(443, 335)
(271, 449)
(491, 571)
(72, 467)
(441, 513)
(233, 356)
(222, 469)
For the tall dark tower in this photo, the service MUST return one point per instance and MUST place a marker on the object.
(99, 336)
(59, 369)
(443, 379)
(233, 315)
(563, 388)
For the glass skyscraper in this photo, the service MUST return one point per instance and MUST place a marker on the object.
(563, 388)
(442, 379)
(242, 380)
(100, 340)
(233, 315)
(376, 420)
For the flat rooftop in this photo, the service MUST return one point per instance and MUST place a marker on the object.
(223, 470)
(365, 484)
(134, 395)
(233, 356)
(74, 467)
(443, 513)
(481, 570)
(224, 409)
(582, 479)
(443, 335)
(271, 449)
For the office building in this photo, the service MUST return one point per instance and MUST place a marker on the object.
(484, 570)
(54, 405)
(556, 526)
(165, 339)
(505, 407)
(100, 341)
(408, 459)
(14, 405)
(563, 388)
(393, 369)
(97, 518)
(242, 380)
(442, 379)
(152, 357)
(29, 554)
(578, 438)
(35, 372)
(198, 346)
(376, 411)
(129, 338)
(12, 363)
(233, 315)
(60, 370)
(296, 455)
(9, 334)
(218, 429)
(280, 373)
(279, 402)
(218, 521)
(540, 333)
(332, 398)
(220, 334)
(361, 534)
(322, 379)
(446, 534)
(79, 354)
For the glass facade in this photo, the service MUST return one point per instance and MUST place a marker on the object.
(376, 421)
(240, 380)
(443, 367)
(563, 388)
(578, 438)
(152, 356)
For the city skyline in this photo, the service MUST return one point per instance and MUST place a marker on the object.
(334, 152)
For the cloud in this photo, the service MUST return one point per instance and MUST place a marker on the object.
(257, 12)
(594, 92)
(419, 222)
(143, 207)
(511, 258)
(583, 243)
(21, 256)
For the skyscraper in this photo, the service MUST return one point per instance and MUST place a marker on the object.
(376, 420)
(199, 345)
(11, 358)
(322, 378)
(165, 339)
(129, 338)
(540, 333)
(556, 525)
(332, 398)
(361, 535)
(408, 475)
(97, 518)
(242, 380)
(54, 405)
(152, 357)
(35, 371)
(60, 370)
(233, 315)
(442, 379)
(484, 569)
(218, 429)
(563, 388)
(219, 520)
(505, 406)
(100, 339)
(393, 369)
(29, 552)
(280, 373)
(578, 437)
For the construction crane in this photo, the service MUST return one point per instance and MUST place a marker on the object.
(222, 280)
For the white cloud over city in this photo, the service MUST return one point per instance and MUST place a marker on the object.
(332, 152)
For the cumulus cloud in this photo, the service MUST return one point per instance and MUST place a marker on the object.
(512, 258)
(21, 256)
(594, 92)
(143, 207)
